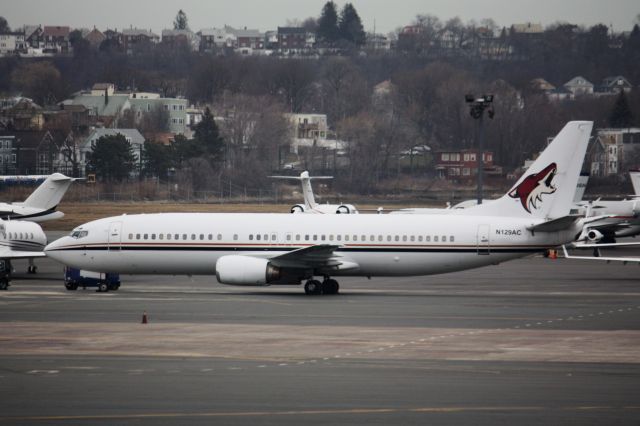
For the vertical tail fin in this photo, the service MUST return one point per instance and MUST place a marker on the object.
(546, 190)
(635, 180)
(582, 186)
(49, 193)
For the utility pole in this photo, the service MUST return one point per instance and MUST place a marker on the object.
(477, 106)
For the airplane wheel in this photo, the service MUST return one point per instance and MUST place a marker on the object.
(330, 286)
(313, 287)
(32, 269)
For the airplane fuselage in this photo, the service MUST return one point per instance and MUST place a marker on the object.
(378, 245)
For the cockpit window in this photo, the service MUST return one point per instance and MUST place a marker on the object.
(79, 234)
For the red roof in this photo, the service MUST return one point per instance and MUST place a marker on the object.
(56, 31)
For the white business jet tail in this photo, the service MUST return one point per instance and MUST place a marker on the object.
(546, 190)
(48, 195)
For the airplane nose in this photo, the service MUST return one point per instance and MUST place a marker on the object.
(53, 249)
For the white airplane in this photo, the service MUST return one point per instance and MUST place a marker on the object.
(19, 239)
(267, 249)
(41, 205)
(310, 205)
(635, 181)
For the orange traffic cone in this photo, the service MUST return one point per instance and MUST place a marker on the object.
(144, 317)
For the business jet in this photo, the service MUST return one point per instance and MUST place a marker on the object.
(19, 239)
(268, 249)
(597, 256)
(310, 205)
(41, 205)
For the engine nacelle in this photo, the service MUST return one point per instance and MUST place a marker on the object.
(594, 235)
(246, 270)
(298, 208)
(346, 209)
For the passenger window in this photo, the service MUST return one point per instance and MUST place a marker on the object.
(388, 237)
(346, 237)
(193, 237)
(184, 236)
(339, 237)
(297, 237)
(153, 236)
(355, 238)
(146, 236)
(168, 236)
(258, 236)
(413, 238)
(137, 236)
(266, 237)
(21, 235)
(322, 237)
(451, 239)
(404, 238)
(372, 238)
(235, 237)
(330, 237)
(444, 239)
(176, 237)
(250, 237)
(288, 237)
(315, 237)
(428, 238)
(219, 237)
(210, 237)
(131, 236)
(161, 236)
(435, 238)
(420, 238)
(274, 237)
(364, 238)
(306, 237)
(380, 238)
(201, 236)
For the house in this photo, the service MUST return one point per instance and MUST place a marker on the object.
(579, 86)
(24, 115)
(31, 152)
(141, 103)
(11, 43)
(378, 42)
(615, 85)
(311, 130)
(527, 28)
(104, 106)
(56, 39)
(95, 38)
(462, 164)
(214, 39)
(614, 151)
(135, 38)
(295, 40)
(180, 39)
(246, 40)
(33, 36)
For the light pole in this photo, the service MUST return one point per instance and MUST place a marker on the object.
(477, 105)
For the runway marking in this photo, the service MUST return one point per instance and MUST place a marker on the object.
(43, 371)
(355, 411)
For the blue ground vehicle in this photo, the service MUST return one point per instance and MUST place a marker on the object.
(74, 278)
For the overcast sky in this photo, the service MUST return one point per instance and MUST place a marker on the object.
(269, 14)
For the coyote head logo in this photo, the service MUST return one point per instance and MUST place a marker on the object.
(531, 189)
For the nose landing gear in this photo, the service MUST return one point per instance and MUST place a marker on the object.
(328, 286)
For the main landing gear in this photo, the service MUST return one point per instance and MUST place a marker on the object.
(328, 286)
(32, 268)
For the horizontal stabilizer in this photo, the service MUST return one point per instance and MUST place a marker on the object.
(555, 225)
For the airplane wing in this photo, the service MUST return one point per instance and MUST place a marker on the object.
(317, 256)
(6, 253)
(624, 260)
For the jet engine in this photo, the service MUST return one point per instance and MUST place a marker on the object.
(594, 235)
(298, 208)
(246, 270)
(346, 209)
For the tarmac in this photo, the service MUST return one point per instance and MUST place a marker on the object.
(532, 341)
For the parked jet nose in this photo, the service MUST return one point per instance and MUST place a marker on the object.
(57, 249)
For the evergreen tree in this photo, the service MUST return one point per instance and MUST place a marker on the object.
(157, 159)
(4, 25)
(208, 136)
(621, 115)
(111, 158)
(180, 22)
(328, 32)
(350, 27)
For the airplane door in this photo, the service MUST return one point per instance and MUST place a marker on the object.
(115, 235)
(483, 245)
